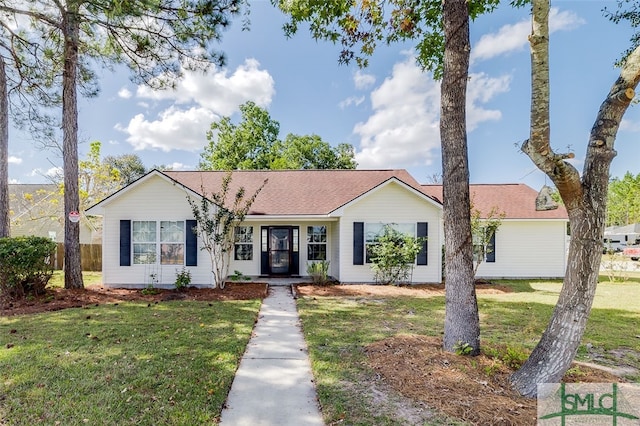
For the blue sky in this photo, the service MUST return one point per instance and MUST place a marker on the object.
(389, 112)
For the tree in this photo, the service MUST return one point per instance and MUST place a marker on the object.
(246, 146)
(585, 199)
(155, 38)
(311, 152)
(623, 200)
(253, 144)
(441, 30)
(96, 178)
(5, 227)
(217, 221)
(129, 167)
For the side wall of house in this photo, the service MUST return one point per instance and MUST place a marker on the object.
(528, 249)
(152, 200)
(391, 203)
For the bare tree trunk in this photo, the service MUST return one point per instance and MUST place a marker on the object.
(461, 324)
(72, 261)
(5, 229)
(585, 200)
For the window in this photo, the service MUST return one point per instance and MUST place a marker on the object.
(172, 242)
(243, 243)
(373, 230)
(484, 245)
(316, 243)
(144, 242)
(147, 245)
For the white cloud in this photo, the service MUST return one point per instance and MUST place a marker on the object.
(206, 97)
(514, 37)
(363, 80)
(179, 166)
(404, 129)
(352, 100)
(13, 181)
(173, 129)
(217, 91)
(629, 126)
(15, 160)
(125, 93)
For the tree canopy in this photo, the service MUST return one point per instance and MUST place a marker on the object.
(623, 201)
(253, 144)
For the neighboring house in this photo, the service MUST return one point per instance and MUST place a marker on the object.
(299, 217)
(529, 243)
(37, 209)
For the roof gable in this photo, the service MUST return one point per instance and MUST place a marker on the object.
(516, 201)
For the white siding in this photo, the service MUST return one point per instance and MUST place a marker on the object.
(155, 199)
(391, 203)
(528, 249)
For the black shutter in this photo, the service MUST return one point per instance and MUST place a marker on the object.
(423, 232)
(358, 243)
(125, 243)
(491, 247)
(264, 251)
(191, 243)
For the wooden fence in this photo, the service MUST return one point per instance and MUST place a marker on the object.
(90, 254)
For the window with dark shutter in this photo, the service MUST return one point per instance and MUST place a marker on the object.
(422, 232)
(125, 243)
(491, 247)
(191, 242)
(358, 243)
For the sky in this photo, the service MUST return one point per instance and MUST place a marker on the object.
(389, 111)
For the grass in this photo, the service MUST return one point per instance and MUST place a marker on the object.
(513, 320)
(89, 278)
(122, 364)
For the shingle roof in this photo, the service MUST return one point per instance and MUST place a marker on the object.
(295, 192)
(516, 200)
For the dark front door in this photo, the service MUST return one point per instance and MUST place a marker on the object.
(280, 251)
(281, 256)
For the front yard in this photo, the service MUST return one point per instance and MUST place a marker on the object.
(376, 357)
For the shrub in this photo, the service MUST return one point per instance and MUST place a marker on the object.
(25, 266)
(393, 256)
(183, 278)
(319, 271)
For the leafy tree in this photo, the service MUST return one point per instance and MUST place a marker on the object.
(623, 200)
(393, 255)
(246, 146)
(584, 197)
(128, 166)
(253, 144)
(154, 38)
(311, 152)
(217, 220)
(97, 179)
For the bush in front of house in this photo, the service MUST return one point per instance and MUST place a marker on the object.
(25, 266)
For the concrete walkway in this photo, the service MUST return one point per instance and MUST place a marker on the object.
(273, 384)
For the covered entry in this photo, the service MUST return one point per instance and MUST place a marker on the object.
(280, 254)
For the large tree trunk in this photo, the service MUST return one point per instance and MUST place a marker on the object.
(585, 200)
(4, 153)
(72, 261)
(461, 324)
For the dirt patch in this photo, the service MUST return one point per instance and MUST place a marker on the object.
(473, 389)
(369, 290)
(59, 298)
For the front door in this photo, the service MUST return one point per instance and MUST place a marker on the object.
(281, 256)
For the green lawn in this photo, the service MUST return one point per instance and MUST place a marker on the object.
(170, 363)
(337, 330)
(89, 278)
